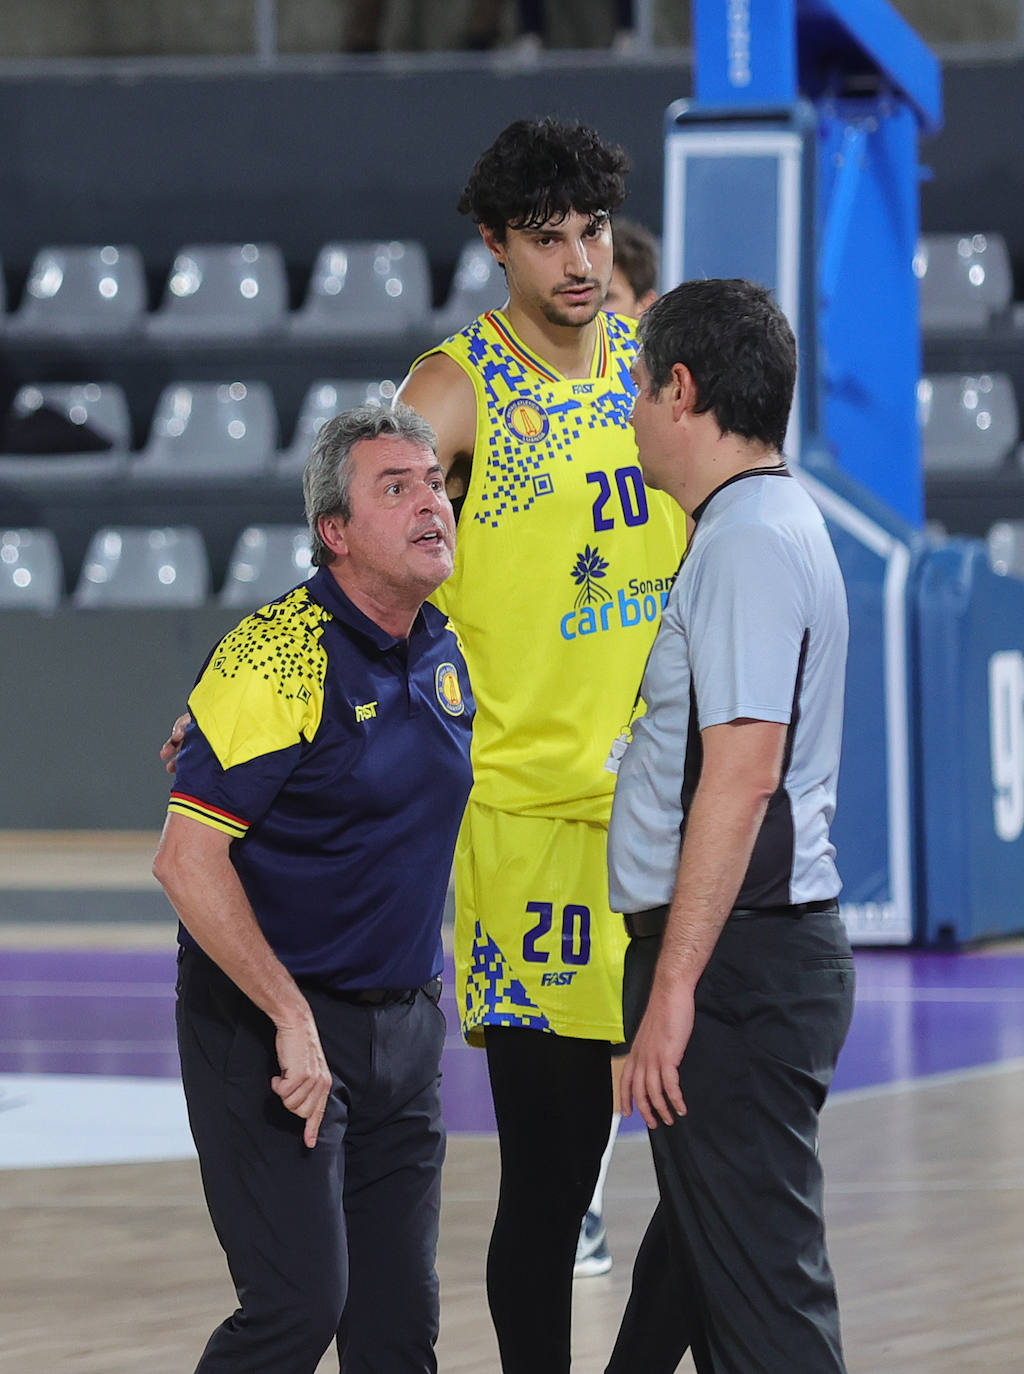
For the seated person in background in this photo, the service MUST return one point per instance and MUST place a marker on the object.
(634, 280)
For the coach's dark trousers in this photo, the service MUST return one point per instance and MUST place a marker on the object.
(338, 1241)
(739, 1234)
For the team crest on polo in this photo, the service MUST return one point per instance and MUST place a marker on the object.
(449, 692)
(527, 421)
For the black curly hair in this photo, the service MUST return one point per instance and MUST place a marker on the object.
(538, 170)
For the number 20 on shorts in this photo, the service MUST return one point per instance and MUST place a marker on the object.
(575, 934)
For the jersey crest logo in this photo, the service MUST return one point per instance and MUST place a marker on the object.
(587, 572)
(449, 692)
(527, 421)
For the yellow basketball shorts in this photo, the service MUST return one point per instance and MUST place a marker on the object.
(536, 943)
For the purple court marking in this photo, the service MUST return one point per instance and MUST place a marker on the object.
(94, 1011)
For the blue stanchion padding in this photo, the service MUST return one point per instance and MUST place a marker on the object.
(869, 341)
(970, 628)
(874, 826)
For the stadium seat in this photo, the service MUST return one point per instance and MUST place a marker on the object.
(131, 566)
(209, 430)
(478, 285)
(74, 291)
(223, 291)
(968, 424)
(31, 576)
(362, 289)
(965, 280)
(323, 400)
(1005, 542)
(56, 430)
(267, 560)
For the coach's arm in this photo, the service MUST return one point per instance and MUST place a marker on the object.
(194, 868)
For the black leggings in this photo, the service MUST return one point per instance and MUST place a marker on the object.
(553, 1103)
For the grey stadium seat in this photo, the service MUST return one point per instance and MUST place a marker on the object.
(1005, 541)
(478, 285)
(223, 290)
(362, 289)
(132, 566)
(209, 430)
(31, 576)
(965, 280)
(100, 409)
(323, 400)
(267, 561)
(97, 289)
(968, 424)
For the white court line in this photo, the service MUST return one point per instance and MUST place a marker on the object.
(48, 1120)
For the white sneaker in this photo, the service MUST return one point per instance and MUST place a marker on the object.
(592, 1257)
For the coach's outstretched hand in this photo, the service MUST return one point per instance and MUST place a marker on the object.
(171, 748)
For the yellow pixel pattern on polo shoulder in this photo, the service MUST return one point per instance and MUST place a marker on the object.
(263, 686)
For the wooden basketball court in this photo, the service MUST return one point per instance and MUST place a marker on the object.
(111, 1268)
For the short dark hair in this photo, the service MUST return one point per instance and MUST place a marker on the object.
(328, 471)
(636, 255)
(538, 170)
(739, 349)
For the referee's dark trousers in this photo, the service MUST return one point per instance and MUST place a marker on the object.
(334, 1242)
(737, 1245)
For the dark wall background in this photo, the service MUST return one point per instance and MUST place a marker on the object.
(296, 157)
(299, 157)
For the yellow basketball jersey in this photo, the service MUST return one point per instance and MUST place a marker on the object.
(564, 560)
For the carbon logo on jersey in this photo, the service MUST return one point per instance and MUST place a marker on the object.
(597, 607)
(449, 691)
(527, 421)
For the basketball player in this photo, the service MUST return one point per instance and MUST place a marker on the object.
(564, 559)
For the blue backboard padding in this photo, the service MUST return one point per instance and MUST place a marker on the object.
(860, 37)
(722, 191)
(767, 52)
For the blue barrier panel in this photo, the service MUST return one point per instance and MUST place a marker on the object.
(874, 827)
(970, 630)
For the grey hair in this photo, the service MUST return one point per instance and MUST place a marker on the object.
(328, 472)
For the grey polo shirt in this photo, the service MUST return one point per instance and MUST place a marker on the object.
(755, 627)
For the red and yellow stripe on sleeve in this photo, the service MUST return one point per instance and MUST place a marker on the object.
(184, 805)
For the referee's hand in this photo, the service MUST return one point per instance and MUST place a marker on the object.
(650, 1079)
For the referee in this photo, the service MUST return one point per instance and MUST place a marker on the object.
(739, 978)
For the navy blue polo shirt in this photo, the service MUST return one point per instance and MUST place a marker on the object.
(337, 758)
